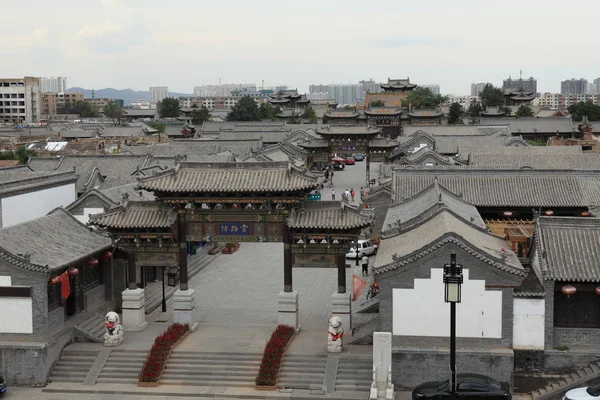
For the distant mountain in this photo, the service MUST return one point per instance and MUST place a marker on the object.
(127, 95)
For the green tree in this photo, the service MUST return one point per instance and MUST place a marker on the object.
(200, 116)
(22, 154)
(455, 114)
(84, 109)
(112, 111)
(245, 109)
(422, 97)
(157, 125)
(168, 107)
(585, 109)
(473, 112)
(310, 114)
(491, 96)
(348, 108)
(524, 111)
(377, 103)
(267, 111)
(506, 110)
(293, 120)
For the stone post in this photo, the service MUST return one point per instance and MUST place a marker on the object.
(183, 299)
(341, 302)
(382, 386)
(134, 301)
(288, 299)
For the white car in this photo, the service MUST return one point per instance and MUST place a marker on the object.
(583, 393)
(364, 247)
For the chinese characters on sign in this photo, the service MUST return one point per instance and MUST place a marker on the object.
(234, 228)
(348, 148)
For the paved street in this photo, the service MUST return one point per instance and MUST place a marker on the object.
(353, 176)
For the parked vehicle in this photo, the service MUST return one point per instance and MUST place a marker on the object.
(358, 157)
(350, 161)
(338, 163)
(583, 393)
(2, 386)
(468, 386)
(364, 247)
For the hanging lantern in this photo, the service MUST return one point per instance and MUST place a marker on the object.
(508, 213)
(585, 214)
(597, 290)
(54, 280)
(569, 290)
(106, 255)
(92, 262)
(73, 271)
(549, 213)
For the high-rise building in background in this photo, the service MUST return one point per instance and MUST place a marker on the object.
(318, 88)
(435, 88)
(157, 93)
(528, 85)
(591, 88)
(597, 85)
(220, 90)
(21, 100)
(53, 85)
(348, 93)
(477, 88)
(574, 86)
(371, 86)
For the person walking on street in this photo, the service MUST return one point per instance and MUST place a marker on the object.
(352, 193)
(347, 194)
(333, 194)
(365, 264)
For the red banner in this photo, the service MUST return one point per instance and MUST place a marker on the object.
(358, 285)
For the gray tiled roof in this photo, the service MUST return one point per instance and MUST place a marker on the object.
(423, 205)
(18, 173)
(534, 125)
(450, 144)
(348, 129)
(135, 215)
(327, 215)
(504, 188)
(457, 130)
(568, 248)
(589, 161)
(53, 241)
(232, 177)
(133, 112)
(464, 151)
(266, 136)
(124, 131)
(240, 148)
(403, 249)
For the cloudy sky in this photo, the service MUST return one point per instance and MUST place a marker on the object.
(185, 43)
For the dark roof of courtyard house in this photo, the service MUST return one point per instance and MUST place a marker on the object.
(458, 130)
(383, 111)
(514, 148)
(327, 215)
(398, 84)
(451, 144)
(425, 113)
(21, 177)
(112, 196)
(445, 227)
(347, 130)
(342, 113)
(585, 161)
(426, 153)
(486, 187)
(533, 125)
(567, 248)
(423, 205)
(265, 136)
(136, 214)
(50, 243)
(198, 147)
(232, 177)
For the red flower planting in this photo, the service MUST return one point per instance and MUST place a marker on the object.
(159, 353)
(273, 356)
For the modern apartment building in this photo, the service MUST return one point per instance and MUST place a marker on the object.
(528, 85)
(69, 99)
(49, 106)
(54, 85)
(221, 90)
(435, 88)
(464, 101)
(212, 103)
(597, 85)
(371, 86)
(574, 86)
(559, 101)
(477, 88)
(99, 103)
(157, 93)
(20, 100)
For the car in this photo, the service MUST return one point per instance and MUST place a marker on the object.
(2, 386)
(358, 157)
(468, 386)
(364, 247)
(350, 161)
(583, 393)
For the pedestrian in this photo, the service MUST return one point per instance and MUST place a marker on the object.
(365, 265)
(326, 175)
(347, 194)
(333, 194)
(362, 193)
(352, 193)
(331, 177)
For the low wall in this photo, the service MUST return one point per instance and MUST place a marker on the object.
(562, 362)
(413, 366)
(576, 337)
(93, 297)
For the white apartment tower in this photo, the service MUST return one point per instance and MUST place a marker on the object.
(20, 100)
(157, 93)
(54, 85)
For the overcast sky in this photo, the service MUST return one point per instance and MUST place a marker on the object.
(185, 43)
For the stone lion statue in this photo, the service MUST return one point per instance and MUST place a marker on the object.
(114, 331)
(336, 332)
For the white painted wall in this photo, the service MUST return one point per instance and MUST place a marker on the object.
(28, 206)
(86, 214)
(528, 323)
(422, 311)
(5, 281)
(17, 312)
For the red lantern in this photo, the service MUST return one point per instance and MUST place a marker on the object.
(597, 290)
(549, 213)
(92, 262)
(508, 213)
(73, 271)
(569, 290)
(585, 214)
(54, 280)
(106, 255)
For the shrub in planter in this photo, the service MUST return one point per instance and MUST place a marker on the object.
(160, 351)
(273, 355)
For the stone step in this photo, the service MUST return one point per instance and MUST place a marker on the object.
(566, 382)
(73, 366)
(213, 382)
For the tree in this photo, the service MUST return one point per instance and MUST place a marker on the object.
(22, 154)
(491, 96)
(585, 109)
(267, 111)
(524, 111)
(84, 109)
(293, 120)
(422, 97)
(310, 114)
(455, 114)
(245, 109)
(112, 111)
(156, 125)
(473, 112)
(168, 107)
(200, 116)
(506, 110)
(377, 103)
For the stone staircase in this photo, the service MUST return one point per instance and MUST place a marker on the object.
(366, 306)
(122, 366)
(212, 369)
(302, 371)
(73, 366)
(92, 328)
(354, 374)
(555, 390)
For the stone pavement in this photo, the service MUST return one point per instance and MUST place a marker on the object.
(353, 176)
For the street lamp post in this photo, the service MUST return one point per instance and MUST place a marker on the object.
(453, 279)
(164, 299)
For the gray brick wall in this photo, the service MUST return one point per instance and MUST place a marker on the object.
(577, 337)
(380, 204)
(549, 316)
(561, 362)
